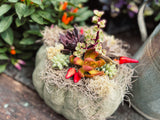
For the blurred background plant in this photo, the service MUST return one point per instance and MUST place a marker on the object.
(121, 15)
(131, 7)
(22, 20)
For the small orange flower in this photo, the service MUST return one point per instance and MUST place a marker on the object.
(71, 18)
(31, 2)
(65, 19)
(64, 6)
(13, 52)
(22, 0)
(75, 10)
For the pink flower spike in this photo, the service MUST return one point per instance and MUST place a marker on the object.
(17, 66)
(21, 62)
(52, 26)
(81, 31)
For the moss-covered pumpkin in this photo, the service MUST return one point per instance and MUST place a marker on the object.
(91, 98)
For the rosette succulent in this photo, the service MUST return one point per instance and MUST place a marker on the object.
(70, 39)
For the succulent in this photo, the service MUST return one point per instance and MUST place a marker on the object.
(93, 38)
(52, 51)
(88, 65)
(70, 39)
(109, 69)
(60, 61)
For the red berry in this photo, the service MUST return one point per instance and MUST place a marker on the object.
(76, 77)
(70, 73)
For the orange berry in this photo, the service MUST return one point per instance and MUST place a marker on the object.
(71, 18)
(64, 17)
(31, 2)
(67, 20)
(22, 0)
(64, 5)
(75, 10)
(13, 52)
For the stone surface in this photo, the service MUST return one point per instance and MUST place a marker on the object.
(24, 76)
(18, 102)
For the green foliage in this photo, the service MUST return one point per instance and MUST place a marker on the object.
(8, 36)
(2, 67)
(60, 61)
(22, 21)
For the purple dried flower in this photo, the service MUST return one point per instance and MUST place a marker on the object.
(156, 1)
(120, 3)
(132, 7)
(131, 14)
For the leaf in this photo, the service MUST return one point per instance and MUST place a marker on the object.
(13, 1)
(26, 56)
(32, 32)
(100, 62)
(78, 61)
(8, 36)
(84, 16)
(3, 68)
(91, 53)
(27, 41)
(157, 18)
(5, 23)
(46, 15)
(19, 22)
(4, 8)
(18, 51)
(21, 8)
(3, 57)
(1, 43)
(29, 11)
(3, 50)
(39, 2)
(37, 18)
(96, 72)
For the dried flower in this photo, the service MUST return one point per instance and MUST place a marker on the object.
(133, 7)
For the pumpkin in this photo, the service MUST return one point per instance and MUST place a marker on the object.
(75, 101)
